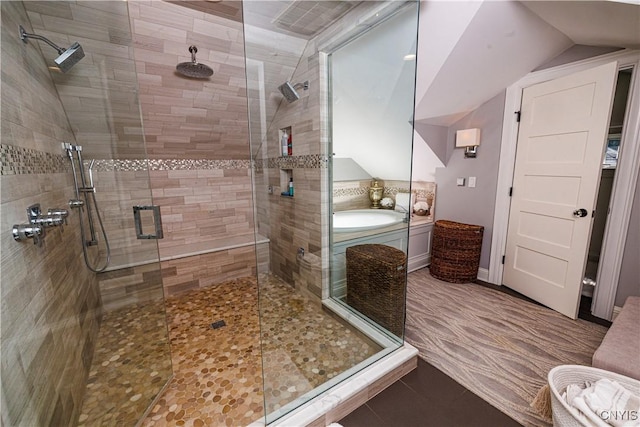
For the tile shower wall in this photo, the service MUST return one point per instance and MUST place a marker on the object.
(195, 130)
(197, 137)
(50, 301)
(207, 223)
(190, 118)
(100, 95)
(203, 209)
(295, 222)
(300, 221)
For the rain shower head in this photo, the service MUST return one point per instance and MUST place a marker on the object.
(67, 57)
(289, 90)
(194, 69)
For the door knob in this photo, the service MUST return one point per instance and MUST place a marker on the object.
(580, 213)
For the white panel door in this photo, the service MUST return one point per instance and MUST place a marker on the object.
(561, 142)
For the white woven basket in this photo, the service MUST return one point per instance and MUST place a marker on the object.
(561, 376)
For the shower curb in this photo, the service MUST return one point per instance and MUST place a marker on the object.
(344, 398)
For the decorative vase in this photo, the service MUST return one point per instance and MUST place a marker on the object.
(375, 194)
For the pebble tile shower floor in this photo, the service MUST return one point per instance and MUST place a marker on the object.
(219, 378)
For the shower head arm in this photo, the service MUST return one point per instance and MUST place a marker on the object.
(24, 36)
(193, 51)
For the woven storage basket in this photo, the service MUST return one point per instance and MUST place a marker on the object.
(455, 251)
(561, 376)
(376, 276)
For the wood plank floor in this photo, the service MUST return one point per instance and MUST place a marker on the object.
(427, 396)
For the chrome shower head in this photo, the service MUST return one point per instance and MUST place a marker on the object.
(67, 57)
(289, 91)
(194, 69)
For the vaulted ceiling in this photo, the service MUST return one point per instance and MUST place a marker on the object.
(595, 23)
(470, 51)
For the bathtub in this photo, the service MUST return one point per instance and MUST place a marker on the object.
(365, 219)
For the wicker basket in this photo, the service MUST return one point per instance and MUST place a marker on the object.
(376, 277)
(561, 376)
(455, 253)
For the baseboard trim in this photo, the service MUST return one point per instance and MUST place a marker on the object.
(419, 261)
(483, 274)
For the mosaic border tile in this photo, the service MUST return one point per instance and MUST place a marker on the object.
(136, 165)
(392, 191)
(420, 193)
(19, 161)
(309, 161)
(350, 192)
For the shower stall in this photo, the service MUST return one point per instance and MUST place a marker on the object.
(188, 280)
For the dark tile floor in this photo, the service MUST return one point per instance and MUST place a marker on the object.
(426, 397)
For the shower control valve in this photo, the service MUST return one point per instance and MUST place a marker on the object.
(22, 232)
(62, 213)
(38, 224)
(49, 220)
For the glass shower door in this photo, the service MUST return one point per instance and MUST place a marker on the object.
(308, 342)
(78, 347)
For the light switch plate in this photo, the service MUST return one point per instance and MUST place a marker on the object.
(472, 181)
(460, 182)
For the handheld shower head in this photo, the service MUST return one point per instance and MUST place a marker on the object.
(289, 90)
(67, 57)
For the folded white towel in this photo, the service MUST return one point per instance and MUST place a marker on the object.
(572, 392)
(604, 403)
(613, 403)
(579, 403)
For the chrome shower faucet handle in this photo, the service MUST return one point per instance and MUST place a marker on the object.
(38, 224)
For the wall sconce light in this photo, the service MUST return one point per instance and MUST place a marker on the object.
(470, 140)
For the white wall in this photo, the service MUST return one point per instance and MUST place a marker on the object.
(425, 161)
(470, 51)
(442, 23)
(372, 93)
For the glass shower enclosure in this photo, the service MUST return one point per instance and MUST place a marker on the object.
(325, 81)
(78, 347)
(233, 179)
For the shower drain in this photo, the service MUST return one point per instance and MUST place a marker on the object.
(218, 324)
